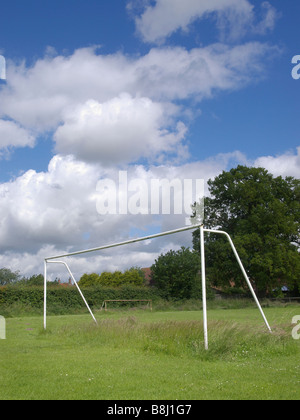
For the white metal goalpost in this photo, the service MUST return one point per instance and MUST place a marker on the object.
(55, 260)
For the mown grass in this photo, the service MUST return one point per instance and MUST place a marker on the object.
(158, 356)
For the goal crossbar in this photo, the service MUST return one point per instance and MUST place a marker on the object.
(130, 241)
(54, 259)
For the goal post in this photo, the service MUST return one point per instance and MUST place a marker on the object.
(55, 259)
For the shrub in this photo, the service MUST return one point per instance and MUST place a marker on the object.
(61, 300)
(89, 280)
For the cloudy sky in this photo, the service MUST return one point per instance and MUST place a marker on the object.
(159, 89)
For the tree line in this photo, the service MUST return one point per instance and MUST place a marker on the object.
(9, 277)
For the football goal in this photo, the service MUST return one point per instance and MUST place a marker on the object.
(126, 301)
(57, 260)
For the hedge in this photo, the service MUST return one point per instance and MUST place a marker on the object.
(69, 298)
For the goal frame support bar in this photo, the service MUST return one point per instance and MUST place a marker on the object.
(74, 281)
(242, 269)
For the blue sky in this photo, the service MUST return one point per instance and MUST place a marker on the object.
(147, 86)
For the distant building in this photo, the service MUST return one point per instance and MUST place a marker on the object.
(65, 284)
(147, 273)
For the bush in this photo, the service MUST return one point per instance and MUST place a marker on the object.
(111, 279)
(87, 280)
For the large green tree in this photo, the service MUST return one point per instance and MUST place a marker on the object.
(175, 274)
(262, 214)
(8, 277)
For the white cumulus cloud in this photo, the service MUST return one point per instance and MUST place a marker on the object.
(287, 164)
(121, 130)
(81, 98)
(233, 17)
(12, 135)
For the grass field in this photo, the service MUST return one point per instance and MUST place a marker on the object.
(142, 355)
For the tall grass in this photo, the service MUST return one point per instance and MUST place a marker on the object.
(227, 340)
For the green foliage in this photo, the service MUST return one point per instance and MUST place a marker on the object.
(11, 295)
(262, 215)
(87, 280)
(133, 276)
(175, 274)
(111, 279)
(35, 280)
